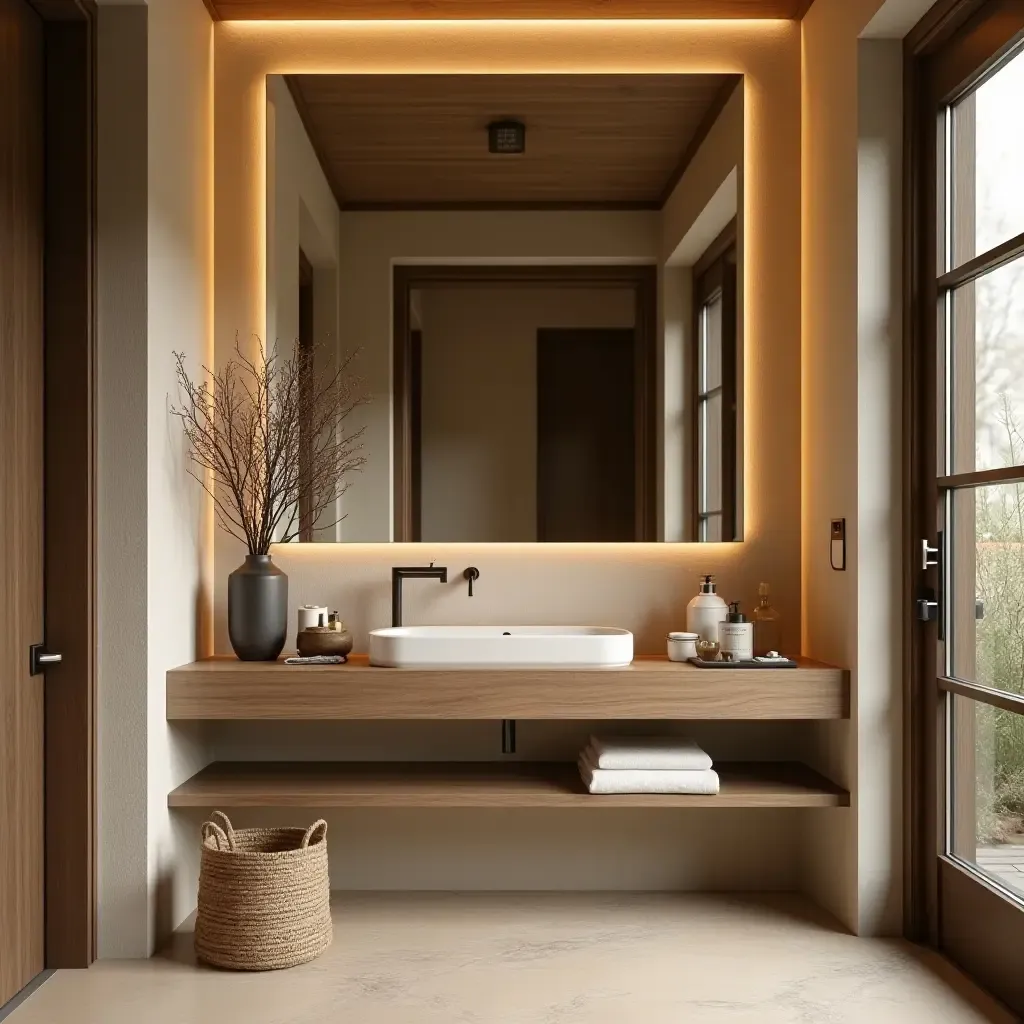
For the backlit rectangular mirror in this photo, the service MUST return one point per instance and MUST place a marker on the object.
(541, 279)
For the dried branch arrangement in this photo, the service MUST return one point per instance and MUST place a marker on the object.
(268, 443)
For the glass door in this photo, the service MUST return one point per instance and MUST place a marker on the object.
(970, 560)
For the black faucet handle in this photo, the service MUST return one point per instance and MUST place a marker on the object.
(471, 574)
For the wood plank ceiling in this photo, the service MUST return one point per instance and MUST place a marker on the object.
(420, 141)
(245, 10)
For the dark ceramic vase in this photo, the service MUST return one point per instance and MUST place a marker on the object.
(257, 609)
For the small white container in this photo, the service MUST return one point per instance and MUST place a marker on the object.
(682, 646)
(312, 615)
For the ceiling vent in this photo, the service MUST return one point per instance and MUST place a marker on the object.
(506, 137)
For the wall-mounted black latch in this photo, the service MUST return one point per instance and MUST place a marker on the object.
(927, 607)
(929, 604)
(38, 659)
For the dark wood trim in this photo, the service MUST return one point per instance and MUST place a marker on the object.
(995, 258)
(556, 275)
(307, 123)
(474, 207)
(645, 375)
(937, 24)
(211, 8)
(950, 50)
(642, 278)
(402, 283)
(802, 7)
(70, 454)
(913, 902)
(703, 129)
(983, 930)
(974, 49)
(307, 347)
(997, 698)
(982, 478)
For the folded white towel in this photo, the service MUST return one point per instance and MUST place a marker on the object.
(603, 781)
(661, 753)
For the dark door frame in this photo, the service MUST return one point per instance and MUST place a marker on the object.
(69, 456)
(642, 279)
(941, 57)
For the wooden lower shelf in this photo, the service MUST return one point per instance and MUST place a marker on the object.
(532, 784)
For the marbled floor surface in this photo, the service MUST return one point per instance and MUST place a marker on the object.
(542, 959)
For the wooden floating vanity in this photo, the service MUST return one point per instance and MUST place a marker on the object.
(487, 784)
(650, 688)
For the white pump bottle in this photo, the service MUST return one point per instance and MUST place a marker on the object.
(706, 611)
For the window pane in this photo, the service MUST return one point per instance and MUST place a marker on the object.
(986, 602)
(987, 790)
(712, 344)
(987, 365)
(711, 454)
(988, 164)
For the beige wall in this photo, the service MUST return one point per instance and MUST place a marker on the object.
(879, 698)
(852, 444)
(154, 287)
(479, 419)
(644, 587)
(180, 520)
(122, 712)
(151, 594)
(476, 849)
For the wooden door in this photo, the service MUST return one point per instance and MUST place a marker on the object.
(586, 431)
(966, 560)
(21, 495)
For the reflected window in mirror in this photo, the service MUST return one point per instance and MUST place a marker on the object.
(713, 399)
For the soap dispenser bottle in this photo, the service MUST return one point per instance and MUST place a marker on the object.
(736, 635)
(767, 624)
(706, 611)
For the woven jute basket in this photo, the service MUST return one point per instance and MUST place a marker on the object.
(264, 896)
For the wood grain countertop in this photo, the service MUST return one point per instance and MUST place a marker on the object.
(650, 688)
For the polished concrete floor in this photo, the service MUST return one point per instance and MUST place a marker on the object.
(541, 959)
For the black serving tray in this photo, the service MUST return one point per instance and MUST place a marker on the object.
(774, 663)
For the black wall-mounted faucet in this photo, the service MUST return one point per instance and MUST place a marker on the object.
(471, 574)
(411, 572)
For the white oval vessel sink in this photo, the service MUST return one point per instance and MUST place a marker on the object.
(500, 647)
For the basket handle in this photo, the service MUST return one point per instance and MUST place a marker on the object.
(225, 835)
(311, 832)
(211, 828)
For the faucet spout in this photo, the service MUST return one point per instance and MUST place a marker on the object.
(411, 572)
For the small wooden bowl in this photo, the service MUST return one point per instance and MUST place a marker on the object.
(320, 640)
